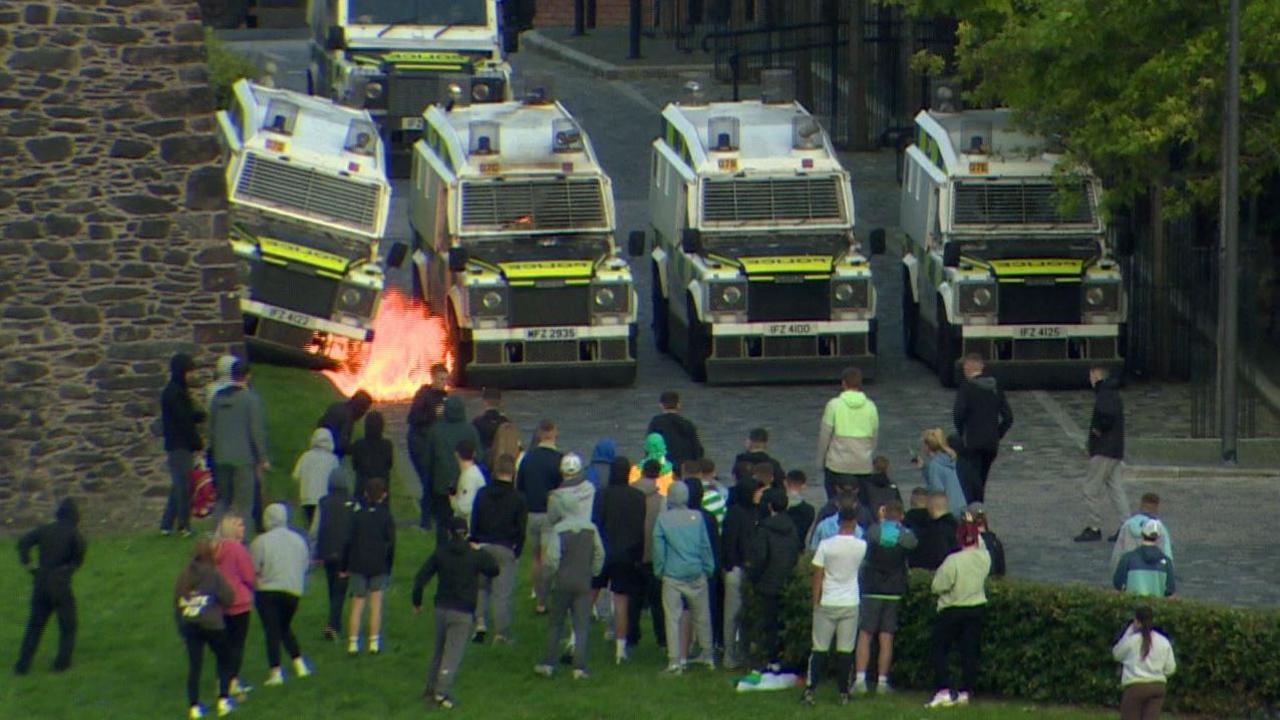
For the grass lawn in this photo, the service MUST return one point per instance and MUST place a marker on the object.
(130, 663)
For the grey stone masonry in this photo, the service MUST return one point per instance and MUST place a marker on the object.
(113, 248)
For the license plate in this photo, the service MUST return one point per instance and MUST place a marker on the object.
(411, 123)
(291, 317)
(788, 329)
(551, 333)
(1042, 331)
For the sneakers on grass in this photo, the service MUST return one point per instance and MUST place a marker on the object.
(962, 698)
(544, 670)
(300, 668)
(941, 699)
(808, 698)
(275, 677)
(375, 645)
(353, 646)
(581, 674)
(860, 686)
(225, 707)
(196, 712)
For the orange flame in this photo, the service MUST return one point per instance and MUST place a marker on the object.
(407, 341)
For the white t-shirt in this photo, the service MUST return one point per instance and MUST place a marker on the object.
(469, 483)
(840, 556)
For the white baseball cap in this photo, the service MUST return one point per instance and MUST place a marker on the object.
(570, 464)
(1152, 528)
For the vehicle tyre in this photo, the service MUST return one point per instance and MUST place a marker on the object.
(223, 14)
(910, 318)
(698, 348)
(946, 349)
(462, 351)
(661, 317)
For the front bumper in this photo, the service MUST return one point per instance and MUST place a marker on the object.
(1018, 357)
(303, 321)
(758, 353)
(550, 357)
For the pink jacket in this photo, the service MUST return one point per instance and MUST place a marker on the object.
(237, 567)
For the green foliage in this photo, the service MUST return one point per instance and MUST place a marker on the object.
(225, 68)
(1052, 643)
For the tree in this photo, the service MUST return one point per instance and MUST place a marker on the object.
(1134, 88)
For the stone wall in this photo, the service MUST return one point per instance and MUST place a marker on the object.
(112, 248)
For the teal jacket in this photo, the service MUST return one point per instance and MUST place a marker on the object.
(681, 547)
(1146, 572)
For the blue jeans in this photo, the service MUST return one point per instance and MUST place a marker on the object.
(178, 507)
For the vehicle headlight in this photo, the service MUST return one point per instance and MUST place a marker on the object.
(851, 294)
(373, 90)
(480, 92)
(604, 297)
(1102, 297)
(488, 301)
(977, 299)
(613, 298)
(727, 297)
(356, 300)
(491, 300)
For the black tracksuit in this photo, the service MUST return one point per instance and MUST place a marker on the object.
(336, 515)
(459, 566)
(982, 417)
(1106, 427)
(62, 550)
(681, 435)
(499, 516)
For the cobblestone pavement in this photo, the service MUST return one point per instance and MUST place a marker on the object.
(1034, 497)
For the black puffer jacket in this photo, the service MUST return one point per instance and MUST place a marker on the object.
(372, 455)
(1106, 428)
(178, 415)
(775, 550)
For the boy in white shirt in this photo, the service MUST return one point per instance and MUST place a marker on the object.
(470, 480)
(835, 604)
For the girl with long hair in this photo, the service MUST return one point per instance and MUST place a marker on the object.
(939, 470)
(233, 561)
(1146, 662)
(200, 597)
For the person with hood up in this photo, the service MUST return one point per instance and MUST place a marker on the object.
(221, 378)
(238, 442)
(982, 417)
(1106, 451)
(337, 514)
(280, 560)
(427, 405)
(200, 597)
(1146, 571)
(459, 567)
(736, 537)
(601, 466)
(655, 449)
(341, 417)
(442, 443)
(619, 514)
(574, 555)
(62, 549)
(939, 470)
(372, 455)
(312, 471)
(488, 422)
(233, 561)
(847, 434)
(774, 552)
(679, 434)
(683, 558)
(367, 561)
(651, 593)
(179, 417)
(498, 521)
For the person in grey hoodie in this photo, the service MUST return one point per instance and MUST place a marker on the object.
(574, 555)
(280, 559)
(683, 557)
(847, 435)
(238, 441)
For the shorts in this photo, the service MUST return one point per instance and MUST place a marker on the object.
(879, 615)
(533, 533)
(362, 585)
(624, 578)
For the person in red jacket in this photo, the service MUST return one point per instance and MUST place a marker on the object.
(236, 567)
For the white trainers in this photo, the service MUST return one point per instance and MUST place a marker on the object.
(707, 660)
(962, 698)
(941, 699)
(619, 651)
(353, 645)
(225, 706)
(581, 674)
(860, 686)
(883, 687)
(375, 645)
(275, 677)
(196, 712)
(675, 668)
(300, 668)
(544, 670)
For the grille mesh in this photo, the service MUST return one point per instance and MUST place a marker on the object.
(544, 307)
(303, 190)
(770, 200)
(300, 291)
(540, 204)
(1038, 203)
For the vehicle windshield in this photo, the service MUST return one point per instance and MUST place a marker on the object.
(1030, 247)
(773, 244)
(418, 12)
(538, 247)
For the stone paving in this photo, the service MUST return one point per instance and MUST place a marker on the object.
(1034, 495)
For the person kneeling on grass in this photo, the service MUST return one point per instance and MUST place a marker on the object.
(1146, 661)
(459, 565)
(962, 603)
(367, 560)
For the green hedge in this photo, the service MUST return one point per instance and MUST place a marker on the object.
(1052, 643)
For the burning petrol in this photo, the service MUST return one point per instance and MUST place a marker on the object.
(407, 341)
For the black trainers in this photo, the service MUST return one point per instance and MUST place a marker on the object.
(479, 636)
(807, 698)
(1089, 535)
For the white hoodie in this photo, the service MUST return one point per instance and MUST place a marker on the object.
(1157, 666)
(314, 467)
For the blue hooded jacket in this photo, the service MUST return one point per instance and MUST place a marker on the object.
(601, 462)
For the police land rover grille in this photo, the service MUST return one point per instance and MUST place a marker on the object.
(570, 204)
(549, 306)
(772, 199)
(302, 190)
(304, 292)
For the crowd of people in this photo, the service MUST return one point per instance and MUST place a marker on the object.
(607, 536)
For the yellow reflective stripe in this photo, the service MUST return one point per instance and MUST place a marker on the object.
(790, 264)
(427, 67)
(420, 56)
(547, 269)
(1037, 266)
(297, 253)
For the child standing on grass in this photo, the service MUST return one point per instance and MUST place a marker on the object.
(312, 472)
(200, 597)
(459, 565)
(367, 561)
(337, 511)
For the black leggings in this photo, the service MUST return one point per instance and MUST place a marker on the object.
(237, 634)
(963, 626)
(337, 594)
(197, 638)
(276, 610)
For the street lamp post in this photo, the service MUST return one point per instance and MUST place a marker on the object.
(1229, 247)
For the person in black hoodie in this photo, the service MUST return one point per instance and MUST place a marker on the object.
(337, 510)
(459, 566)
(426, 408)
(735, 548)
(341, 417)
(1106, 450)
(774, 552)
(367, 560)
(179, 416)
(372, 455)
(982, 417)
(937, 536)
(498, 520)
(488, 422)
(757, 451)
(199, 599)
(62, 550)
(680, 434)
(619, 515)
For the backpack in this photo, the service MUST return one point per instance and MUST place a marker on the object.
(204, 495)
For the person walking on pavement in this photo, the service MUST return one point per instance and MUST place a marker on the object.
(847, 434)
(619, 514)
(238, 441)
(441, 456)
(498, 521)
(982, 418)
(1106, 450)
(280, 560)
(340, 420)
(683, 559)
(458, 564)
(200, 599)
(62, 549)
(538, 475)
(179, 417)
(427, 406)
(679, 433)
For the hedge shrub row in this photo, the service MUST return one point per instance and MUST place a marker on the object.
(1052, 643)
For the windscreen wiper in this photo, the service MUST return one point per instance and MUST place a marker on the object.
(445, 29)
(411, 19)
